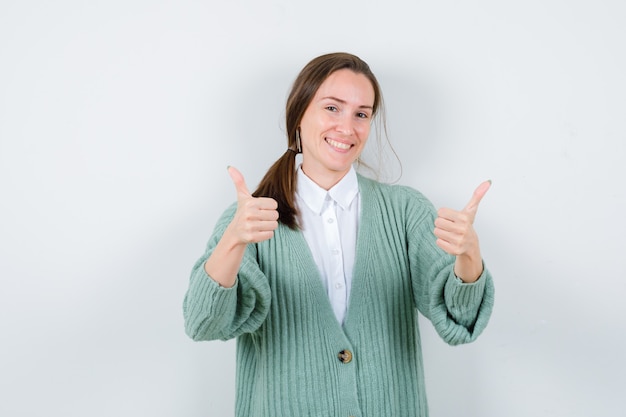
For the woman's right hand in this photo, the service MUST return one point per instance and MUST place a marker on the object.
(256, 218)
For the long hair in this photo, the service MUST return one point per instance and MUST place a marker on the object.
(279, 182)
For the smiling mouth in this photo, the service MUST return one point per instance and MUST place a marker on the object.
(338, 145)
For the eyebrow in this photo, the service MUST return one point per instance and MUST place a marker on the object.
(344, 102)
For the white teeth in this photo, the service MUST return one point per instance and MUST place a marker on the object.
(338, 144)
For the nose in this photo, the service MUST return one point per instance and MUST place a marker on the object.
(345, 125)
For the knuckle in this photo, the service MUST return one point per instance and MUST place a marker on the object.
(250, 203)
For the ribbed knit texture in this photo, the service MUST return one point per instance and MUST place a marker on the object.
(288, 338)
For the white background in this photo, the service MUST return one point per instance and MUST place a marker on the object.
(117, 122)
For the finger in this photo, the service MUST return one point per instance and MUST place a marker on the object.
(454, 216)
(478, 195)
(261, 236)
(260, 204)
(447, 247)
(451, 224)
(261, 231)
(261, 226)
(450, 237)
(268, 226)
(238, 180)
(254, 214)
(267, 203)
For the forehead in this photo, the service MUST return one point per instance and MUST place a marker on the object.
(348, 86)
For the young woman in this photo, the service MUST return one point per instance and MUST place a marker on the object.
(320, 273)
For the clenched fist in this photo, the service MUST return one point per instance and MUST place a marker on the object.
(456, 235)
(256, 217)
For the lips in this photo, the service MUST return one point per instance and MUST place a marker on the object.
(338, 145)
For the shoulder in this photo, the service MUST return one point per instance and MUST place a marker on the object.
(395, 194)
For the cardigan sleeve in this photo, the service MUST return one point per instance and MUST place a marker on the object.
(458, 311)
(213, 312)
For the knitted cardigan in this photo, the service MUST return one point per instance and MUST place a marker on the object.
(295, 359)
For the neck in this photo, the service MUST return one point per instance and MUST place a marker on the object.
(325, 180)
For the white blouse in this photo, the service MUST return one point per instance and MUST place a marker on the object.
(329, 222)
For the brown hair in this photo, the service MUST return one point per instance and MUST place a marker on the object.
(279, 182)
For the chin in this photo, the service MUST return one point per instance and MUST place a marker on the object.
(340, 168)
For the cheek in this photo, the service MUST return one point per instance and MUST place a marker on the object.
(364, 131)
(315, 123)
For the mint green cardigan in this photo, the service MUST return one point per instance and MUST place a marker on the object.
(292, 354)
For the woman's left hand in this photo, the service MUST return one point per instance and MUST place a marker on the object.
(456, 235)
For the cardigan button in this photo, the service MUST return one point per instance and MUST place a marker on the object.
(345, 356)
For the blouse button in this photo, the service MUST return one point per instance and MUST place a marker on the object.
(345, 356)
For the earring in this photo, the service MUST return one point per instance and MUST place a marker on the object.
(298, 141)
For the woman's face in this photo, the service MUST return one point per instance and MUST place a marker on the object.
(335, 126)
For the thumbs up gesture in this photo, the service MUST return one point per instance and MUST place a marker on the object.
(456, 235)
(256, 218)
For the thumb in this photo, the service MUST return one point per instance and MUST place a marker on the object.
(478, 195)
(240, 184)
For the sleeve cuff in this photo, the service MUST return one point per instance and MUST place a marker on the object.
(464, 296)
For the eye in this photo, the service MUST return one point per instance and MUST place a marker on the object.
(362, 115)
(331, 108)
